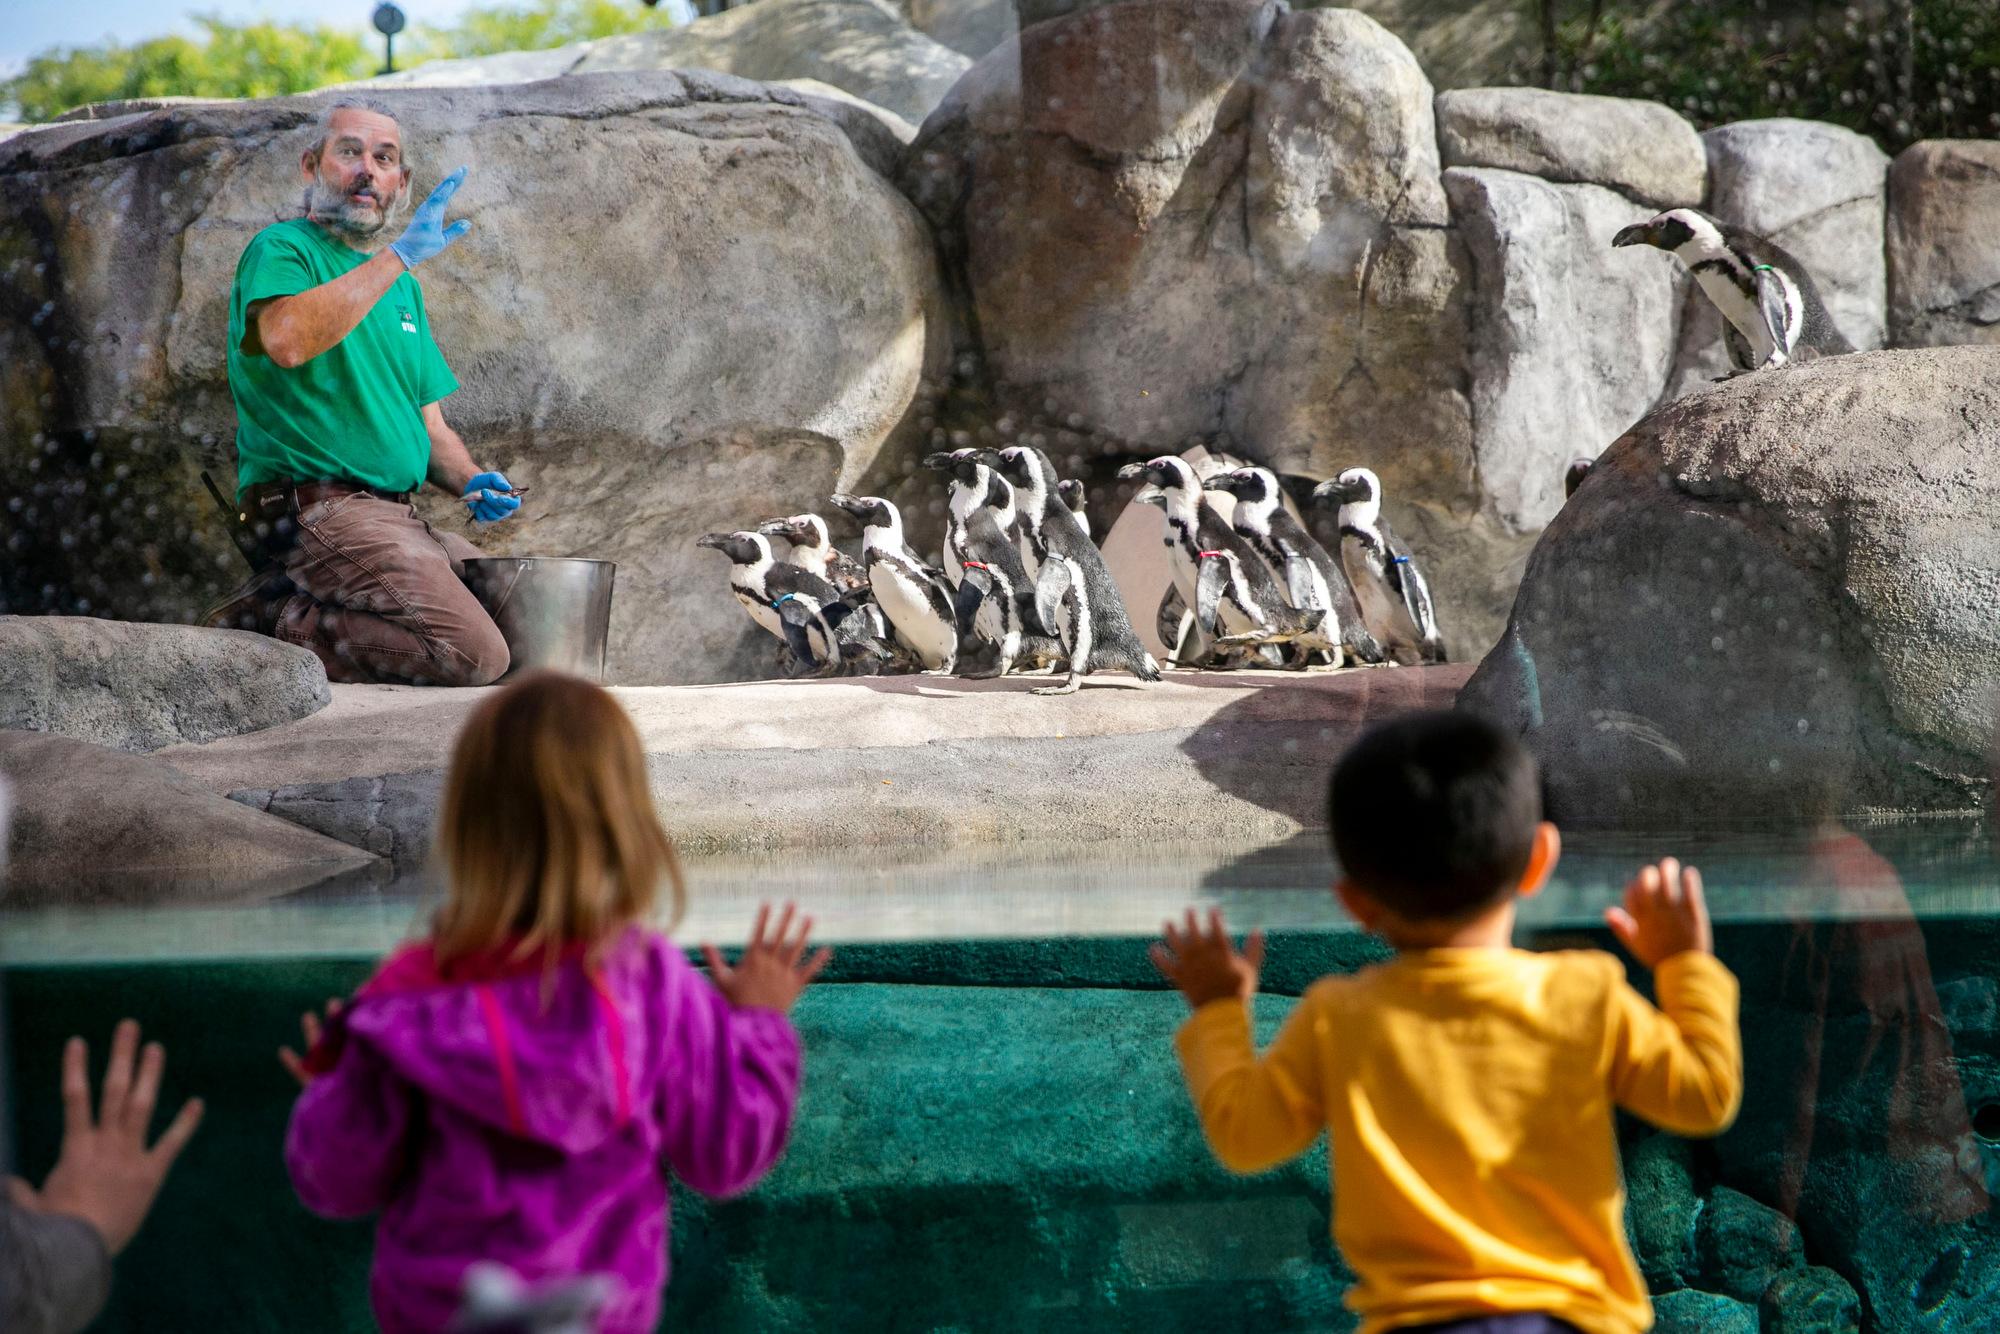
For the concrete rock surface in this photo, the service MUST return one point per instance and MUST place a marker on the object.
(1944, 270)
(1691, 1312)
(141, 687)
(1814, 1300)
(1643, 150)
(1744, 1245)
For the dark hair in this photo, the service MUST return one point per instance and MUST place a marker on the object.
(1434, 815)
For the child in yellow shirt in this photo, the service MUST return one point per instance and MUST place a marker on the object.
(1466, 1087)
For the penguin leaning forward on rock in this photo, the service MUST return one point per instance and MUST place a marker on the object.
(1302, 567)
(1395, 600)
(1771, 310)
(1074, 592)
(914, 598)
(794, 604)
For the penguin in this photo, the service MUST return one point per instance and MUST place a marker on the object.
(1395, 601)
(1216, 573)
(1072, 494)
(1579, 468)
(794, 604)
(914, 598)
(813, 549)
(1301, 566)
(1074, 591)
(997, 602)
(1771, 311)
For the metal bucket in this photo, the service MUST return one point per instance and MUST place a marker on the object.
(553, 611)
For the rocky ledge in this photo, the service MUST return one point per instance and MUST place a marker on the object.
(813, 765)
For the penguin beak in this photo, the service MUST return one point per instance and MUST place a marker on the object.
(941, 462)
(844, 502)
(1133, 471)
(1222, 481)
(713, 541)
(1332, 492)
(1639, 233)
(991, 458)
(784, 528)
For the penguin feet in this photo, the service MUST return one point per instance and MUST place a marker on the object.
(1069, 687)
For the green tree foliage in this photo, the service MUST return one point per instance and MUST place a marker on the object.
(230, 60)
(268, 59)
(536, 26)
(1898, 70)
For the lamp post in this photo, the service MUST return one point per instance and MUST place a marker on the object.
(388, 21)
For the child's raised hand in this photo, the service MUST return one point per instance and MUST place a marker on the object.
(310, 1028)
(772, 970)
(1203, 964)
(1664, 914)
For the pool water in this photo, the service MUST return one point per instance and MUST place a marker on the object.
(993, 1133)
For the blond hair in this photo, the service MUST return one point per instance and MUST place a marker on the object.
(548, 831)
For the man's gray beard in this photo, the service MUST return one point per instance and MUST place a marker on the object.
(331, 208)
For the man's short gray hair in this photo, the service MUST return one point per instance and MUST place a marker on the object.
(350, 102)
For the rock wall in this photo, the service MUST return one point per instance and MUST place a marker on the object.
(1137, 227)
(685, 301)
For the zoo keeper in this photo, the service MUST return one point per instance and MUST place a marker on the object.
(338, 387)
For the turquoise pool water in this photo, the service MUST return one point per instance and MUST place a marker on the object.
(993, 1133)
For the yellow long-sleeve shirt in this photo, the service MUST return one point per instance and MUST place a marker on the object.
(1467, 1097)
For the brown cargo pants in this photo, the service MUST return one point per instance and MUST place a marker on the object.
(381, 597)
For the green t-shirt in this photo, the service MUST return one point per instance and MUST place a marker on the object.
(354, 412)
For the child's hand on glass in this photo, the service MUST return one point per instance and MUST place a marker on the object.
(772, 970)
(1204, 965)
(310, 1027)
(1664, 914)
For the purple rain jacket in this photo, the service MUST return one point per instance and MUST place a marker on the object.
(486, 1122)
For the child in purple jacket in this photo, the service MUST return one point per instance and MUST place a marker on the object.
(510, 1089)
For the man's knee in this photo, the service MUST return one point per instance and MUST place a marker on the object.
(475, 655)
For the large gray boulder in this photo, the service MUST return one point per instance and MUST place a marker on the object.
(1821, 192)
(141, 687)
(1643, 150)
(94, 825)
(1570, 341)
(666, 275)
(862, 47)
(1944, 268)
(1774, 598)
(1220, 221)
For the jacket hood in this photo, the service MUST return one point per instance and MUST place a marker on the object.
(545, 1063)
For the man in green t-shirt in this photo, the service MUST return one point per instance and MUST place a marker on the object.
(338, 386)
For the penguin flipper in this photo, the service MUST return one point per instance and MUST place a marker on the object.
(796, 620)
(1052, 585)
(1299, 587)
(1774, 304)
(1211, 582)
(973, 589)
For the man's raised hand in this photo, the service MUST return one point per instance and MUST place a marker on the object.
(427, 235)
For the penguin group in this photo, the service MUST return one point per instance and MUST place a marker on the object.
(1019, 585)
(1256, 589)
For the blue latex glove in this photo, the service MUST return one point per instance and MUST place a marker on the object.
(487, 506)
(427, 234)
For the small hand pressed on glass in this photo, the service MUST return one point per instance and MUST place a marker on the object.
(1203, 964)
(1664, 914)
(773, 969)
(312, 1030)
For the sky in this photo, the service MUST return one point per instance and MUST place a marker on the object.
(30, 26)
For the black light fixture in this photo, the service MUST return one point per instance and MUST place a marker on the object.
(388, 21)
